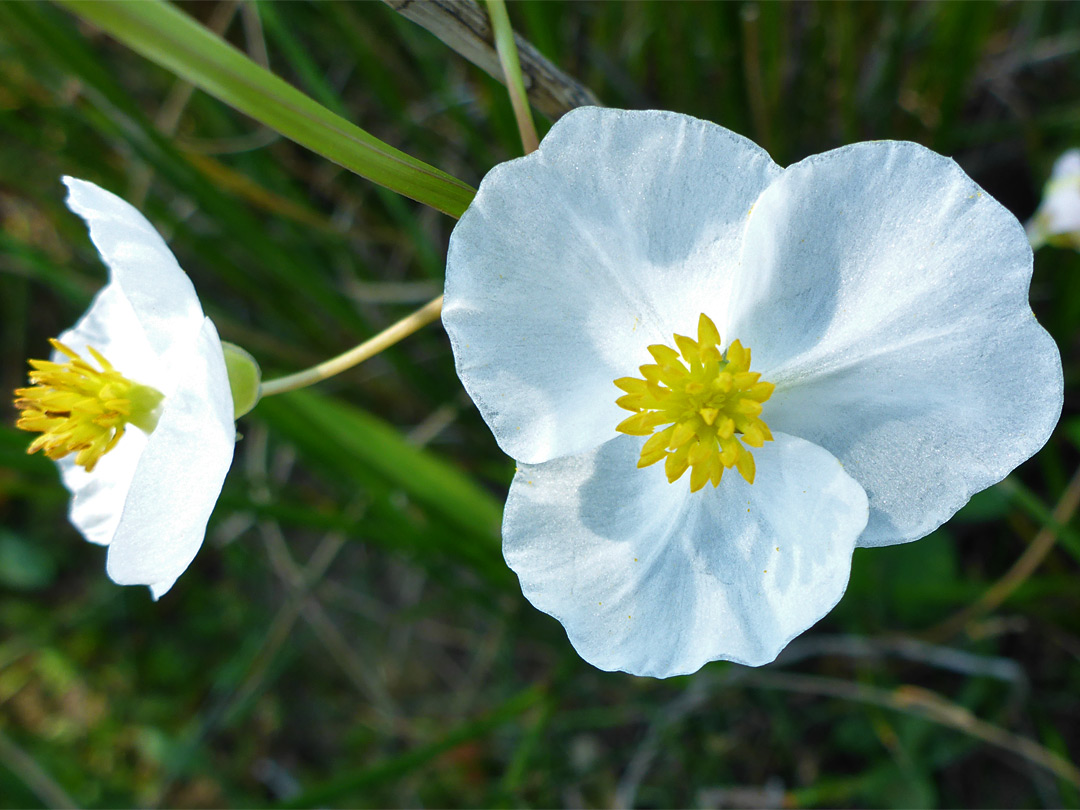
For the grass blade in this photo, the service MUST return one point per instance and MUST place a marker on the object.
(172, 39)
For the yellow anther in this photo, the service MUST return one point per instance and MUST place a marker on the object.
(81, 409)
(710, 402)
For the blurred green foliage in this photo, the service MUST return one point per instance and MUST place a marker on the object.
(349, 635)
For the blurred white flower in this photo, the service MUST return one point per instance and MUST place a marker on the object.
(898, 369)
(158, 367)
(1057, 221)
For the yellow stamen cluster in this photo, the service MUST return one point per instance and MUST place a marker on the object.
(79, 409)
(711, 402)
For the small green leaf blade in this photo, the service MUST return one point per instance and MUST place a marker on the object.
(351, 442)
(169, 37)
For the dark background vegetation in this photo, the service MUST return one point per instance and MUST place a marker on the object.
(349, 635)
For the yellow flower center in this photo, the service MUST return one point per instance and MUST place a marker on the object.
(710, 401)
(79, 409)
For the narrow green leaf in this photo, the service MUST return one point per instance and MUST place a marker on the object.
(112, 113)
(511, 65)
(350, 784)
(1028, 501)
(343, 438)
(172, 39)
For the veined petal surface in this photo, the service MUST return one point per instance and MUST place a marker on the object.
(140, 264)
(620, 230)
(649, 578)
(886, 295)
(179, 474)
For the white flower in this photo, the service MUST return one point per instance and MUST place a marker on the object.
(158, 366)
(1057, 222)
(882, 293)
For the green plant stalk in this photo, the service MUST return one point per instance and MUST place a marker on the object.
(350, 784)
(169, 37)
(511, 65)
(358, 354)
(361, 449)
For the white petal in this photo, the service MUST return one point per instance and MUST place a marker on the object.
(652, 579)
(1060, 209)
(179, 477)
(97, 498)
(1067, 166)
(140, 263)
(887, 297)
(159, 589)
(111, 327)
(620, 230)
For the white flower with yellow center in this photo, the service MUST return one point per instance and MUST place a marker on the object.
(135, 404)
(632, 264)
(1057, 222)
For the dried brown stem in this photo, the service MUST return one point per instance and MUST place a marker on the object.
(923, 703)
(1021, 570)
(465, 28)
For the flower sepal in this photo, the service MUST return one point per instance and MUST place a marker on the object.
(245, 378)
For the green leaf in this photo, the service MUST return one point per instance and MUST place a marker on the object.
(354, 783)
(172, 39)
(358, 446)
(270, 270)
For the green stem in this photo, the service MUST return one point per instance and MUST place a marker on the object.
(369, 348)
(515, 83)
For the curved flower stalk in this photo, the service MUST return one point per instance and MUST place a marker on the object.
(1057, 221)
(135, 404)
(840, 353)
